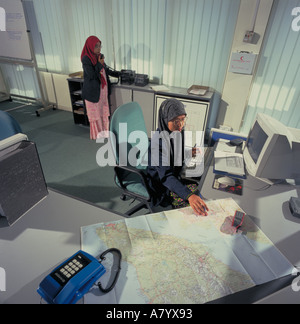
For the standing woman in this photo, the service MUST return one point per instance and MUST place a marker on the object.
(96, 87)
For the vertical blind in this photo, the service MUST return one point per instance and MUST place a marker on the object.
(175, 42)
(138, 35)
(199, 37)
(21, 80)
(276, 88)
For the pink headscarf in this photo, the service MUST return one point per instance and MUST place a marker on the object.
(88, 49)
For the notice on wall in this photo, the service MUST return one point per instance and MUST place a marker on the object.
(242, 63)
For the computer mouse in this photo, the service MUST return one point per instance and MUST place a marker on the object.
(226, 181)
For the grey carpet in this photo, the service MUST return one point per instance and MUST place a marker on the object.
(68, 156)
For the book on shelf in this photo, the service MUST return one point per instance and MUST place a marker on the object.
(79, 103)
(79, 111)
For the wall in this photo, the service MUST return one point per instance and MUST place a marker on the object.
(237, 86)
(276, 86)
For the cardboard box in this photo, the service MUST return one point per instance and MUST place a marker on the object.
(76, 75)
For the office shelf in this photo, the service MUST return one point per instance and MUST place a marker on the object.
(78, 105)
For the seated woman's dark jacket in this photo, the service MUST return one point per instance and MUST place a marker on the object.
(164, 179)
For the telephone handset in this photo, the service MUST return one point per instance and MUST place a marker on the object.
(111, 72)
(72, 279)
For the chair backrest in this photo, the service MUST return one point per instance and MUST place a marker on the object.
(130, 132)
(8, 125)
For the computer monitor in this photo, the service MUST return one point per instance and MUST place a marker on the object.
(272, 150)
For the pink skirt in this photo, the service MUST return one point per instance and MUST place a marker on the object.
(98, 114)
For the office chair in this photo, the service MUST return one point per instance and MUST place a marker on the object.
(8, 125)
(130, 178)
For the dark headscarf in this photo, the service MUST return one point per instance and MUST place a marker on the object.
(89, 47)
(166, 152)
(169, 110)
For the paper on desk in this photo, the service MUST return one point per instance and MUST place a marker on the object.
(160, 88)
(224, 146)
(228, 162)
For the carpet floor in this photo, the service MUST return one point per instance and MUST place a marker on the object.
(68, 156)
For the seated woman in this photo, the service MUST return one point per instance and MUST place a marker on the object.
(166, 161)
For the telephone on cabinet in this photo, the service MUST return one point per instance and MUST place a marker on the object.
(72, 279)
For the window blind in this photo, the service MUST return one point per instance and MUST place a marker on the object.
(276, 90)
(175, 42)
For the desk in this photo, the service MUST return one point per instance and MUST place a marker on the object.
(206, 105)
(269, 209)
(50, 233)
(40, 240)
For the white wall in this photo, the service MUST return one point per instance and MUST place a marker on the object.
(237, 87)
(276, 86)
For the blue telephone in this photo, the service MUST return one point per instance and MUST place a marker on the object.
(68, 282)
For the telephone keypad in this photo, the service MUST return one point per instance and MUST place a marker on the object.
(70, 268)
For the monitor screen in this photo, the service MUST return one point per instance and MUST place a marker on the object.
(272, 150)
(256, 141)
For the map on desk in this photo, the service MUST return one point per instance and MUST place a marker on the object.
(176, 257)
